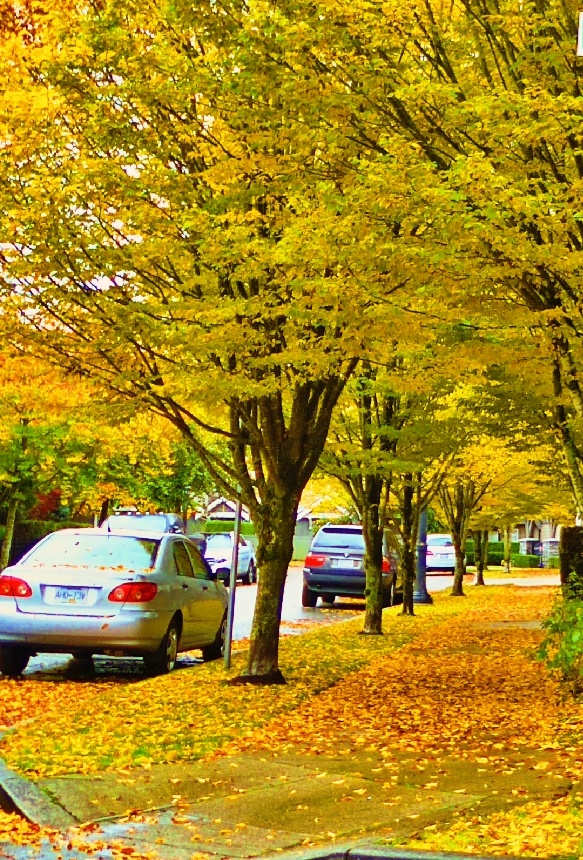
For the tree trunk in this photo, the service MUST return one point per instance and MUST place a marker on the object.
(478, 557)
(372, 529)
(9, 531)
(571, 561)
(460, 567)
(480, 554)
(275, 525)
(409, 538)
(104, 512)
(507, 548)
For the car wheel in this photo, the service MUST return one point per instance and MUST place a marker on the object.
(163, 660)
(246, 578)
(82, 655)
(252, 571)
(309, 598)
(13, 659)
(217, 649)
(328, 598)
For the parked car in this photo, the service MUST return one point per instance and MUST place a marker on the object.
(135, 521)
(219, 554)
(334, 567)
(93, 591)
(440, 553)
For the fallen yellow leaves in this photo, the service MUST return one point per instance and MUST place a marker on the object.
(191, 712)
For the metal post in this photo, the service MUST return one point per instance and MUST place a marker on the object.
(232, 585)
(420, 594)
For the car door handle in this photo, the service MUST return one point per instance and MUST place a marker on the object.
(205, 588)
(185, 585)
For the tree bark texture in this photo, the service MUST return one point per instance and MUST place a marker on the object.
(409, 538)
(507, 548)
(571, 561)
(480, 554)
(275, 526)
(9, 531)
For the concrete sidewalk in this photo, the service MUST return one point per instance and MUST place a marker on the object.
(252, 805)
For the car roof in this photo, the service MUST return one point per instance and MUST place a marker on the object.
(340, 527)
(127, 532)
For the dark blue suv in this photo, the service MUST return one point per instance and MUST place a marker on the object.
(334, 567)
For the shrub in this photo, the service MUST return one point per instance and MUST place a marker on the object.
(562, 647)
(214, 526)
(525, 560)
(553, 562)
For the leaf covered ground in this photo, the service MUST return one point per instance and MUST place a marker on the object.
(444, 705)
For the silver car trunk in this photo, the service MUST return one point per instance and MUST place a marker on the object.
(70, 590)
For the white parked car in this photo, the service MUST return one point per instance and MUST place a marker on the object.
(440, 553)
(219, 553)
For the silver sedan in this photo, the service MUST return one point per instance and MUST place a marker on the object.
(86, 591)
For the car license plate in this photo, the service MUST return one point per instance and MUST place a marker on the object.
(70, 595)
(346, 562)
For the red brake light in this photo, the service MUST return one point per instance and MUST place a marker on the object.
(386, 565)
(12, 586)
(133, 592)
(315, 560)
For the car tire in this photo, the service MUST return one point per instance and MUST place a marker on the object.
(163, 660)
(217, 649)
(309, 598)
(328, 598)
(82, 655)
(252, 571)
(246, 578)
(13, 660)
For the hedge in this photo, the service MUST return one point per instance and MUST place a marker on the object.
(553, 562)
(525, 560)
(214, 526)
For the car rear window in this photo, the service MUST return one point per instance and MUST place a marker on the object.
(107, 550)
(439, 541)
(218, 541)
(337, 537)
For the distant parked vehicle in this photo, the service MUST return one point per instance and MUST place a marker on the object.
(334, 567)
(93, 591)
(134, 521)
(440, 553)
(219, 554)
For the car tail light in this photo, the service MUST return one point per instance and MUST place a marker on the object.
(386, 565)
(428, 552)
(315, 560)
(133, 592)
(11, 586)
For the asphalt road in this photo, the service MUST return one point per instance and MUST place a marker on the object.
(295, 619)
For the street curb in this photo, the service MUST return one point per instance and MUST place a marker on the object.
(21, 795)
(366, 851)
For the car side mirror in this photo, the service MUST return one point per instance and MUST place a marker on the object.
(212, 575)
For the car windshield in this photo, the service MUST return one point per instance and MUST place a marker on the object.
(218, 542)
(145, 523)
(340, 538)
(443, 540)
(106, 550)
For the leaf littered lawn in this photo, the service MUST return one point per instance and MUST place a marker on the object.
(449, 704)
(192, 712)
